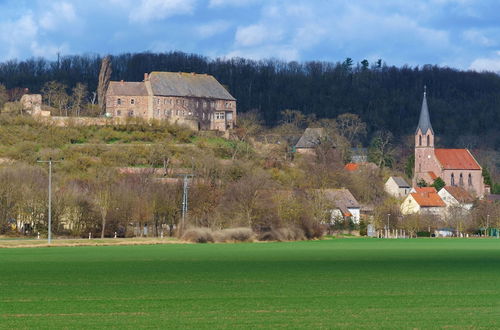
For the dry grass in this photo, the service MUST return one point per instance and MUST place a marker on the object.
(31, 243)
(240, 234)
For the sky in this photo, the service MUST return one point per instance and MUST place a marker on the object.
(463, 34)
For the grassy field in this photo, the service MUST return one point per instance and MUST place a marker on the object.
(350, 283)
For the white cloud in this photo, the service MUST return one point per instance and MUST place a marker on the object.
(25, 29)
(491, 64)
(236, 3)
(256, 34)
(58, 15)
(149, 10)
(213, 28)
(477, 37)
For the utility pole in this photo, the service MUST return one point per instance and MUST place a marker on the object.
(185, 191)
(50, 161)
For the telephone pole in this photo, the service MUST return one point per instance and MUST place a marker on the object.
(50, 161)
(185, 191)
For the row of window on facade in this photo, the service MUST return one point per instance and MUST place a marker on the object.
(217, 115)
(179, 102)
(461, 180)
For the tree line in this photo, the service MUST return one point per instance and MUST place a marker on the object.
(464, 105)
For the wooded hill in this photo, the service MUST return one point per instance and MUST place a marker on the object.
(464, 105)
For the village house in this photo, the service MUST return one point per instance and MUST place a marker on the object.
(310, 139)
(343, 204)
(424, 200)
(397, 187)
(454, 196)
(456, 167)
(196, 100)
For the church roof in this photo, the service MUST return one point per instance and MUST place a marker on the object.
(424, 123)
(456, 159)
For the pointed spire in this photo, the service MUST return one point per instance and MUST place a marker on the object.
(424, 122)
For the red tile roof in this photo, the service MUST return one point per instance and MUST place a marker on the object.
(456, 159)
(427, 197)
(351, 167)
(460, 194)
(432, 175)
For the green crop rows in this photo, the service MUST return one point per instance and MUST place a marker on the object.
(350, 283)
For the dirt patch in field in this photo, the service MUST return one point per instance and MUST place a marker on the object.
(83, 242)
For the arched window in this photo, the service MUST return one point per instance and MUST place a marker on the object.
(470, 179)
(420, 140)
(461, 182)
(452, 179)
(428, 140)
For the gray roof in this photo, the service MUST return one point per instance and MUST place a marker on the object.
(424, 122)
(122, 88)
(341, 198)
(400, 182)
(311, 138)
(187, 84)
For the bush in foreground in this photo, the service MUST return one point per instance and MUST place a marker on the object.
(240, 234)
(198, 235)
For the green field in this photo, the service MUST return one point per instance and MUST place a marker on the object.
(351, 283)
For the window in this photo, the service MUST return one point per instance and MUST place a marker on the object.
(185, 102)
(420, 140)
(119, 101)
(118, 113)
(470, 179)
(176, 112)
(419, 167)
(212, 104)
(165, 101)
(219, 115)
(452, 179)
(204, 104)
(203, 116)
(229, 116)
(131, 113)
(461, 180)
(178, 101)
(158, 101)
(132, 101)
(165, 112)
(428, 140)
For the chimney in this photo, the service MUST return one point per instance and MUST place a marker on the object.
(146, 77)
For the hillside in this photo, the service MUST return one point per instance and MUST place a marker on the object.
(465, 105)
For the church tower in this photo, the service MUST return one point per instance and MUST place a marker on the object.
(424, 145)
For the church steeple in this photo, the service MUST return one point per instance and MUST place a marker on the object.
(424, 122)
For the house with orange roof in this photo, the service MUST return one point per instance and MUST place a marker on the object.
(425, 200)
(456, 167)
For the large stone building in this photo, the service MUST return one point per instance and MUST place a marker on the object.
(456, 167)
(197, 100)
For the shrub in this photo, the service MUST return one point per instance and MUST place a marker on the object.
(283, 234)
(241, 234)
(198, 235)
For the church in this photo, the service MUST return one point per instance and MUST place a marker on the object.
(456, 167)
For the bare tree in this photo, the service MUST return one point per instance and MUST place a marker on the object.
(79, 95)
(104, 77)
(351, 127)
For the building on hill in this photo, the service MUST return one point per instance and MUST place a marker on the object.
(397, 186)
(424, 200)
(310, 139)
(456, 167)
(196, 100)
